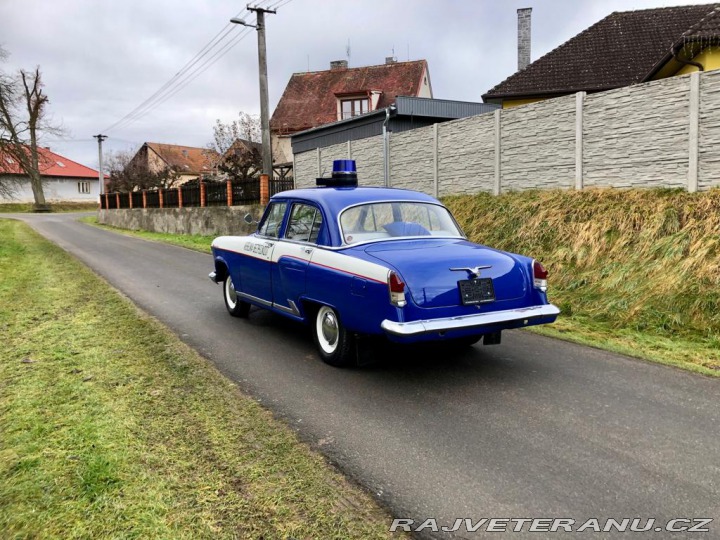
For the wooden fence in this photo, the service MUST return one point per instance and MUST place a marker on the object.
(243, 192)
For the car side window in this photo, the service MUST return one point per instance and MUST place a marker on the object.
(305, 223)
(273, 220)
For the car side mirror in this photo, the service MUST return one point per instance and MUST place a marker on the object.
(249, 219)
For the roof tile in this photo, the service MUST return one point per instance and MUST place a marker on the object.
(187, 159)
(617, 51)
(51, 164)
(310, 99)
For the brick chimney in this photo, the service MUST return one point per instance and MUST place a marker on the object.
(523, 37)
(338, 64)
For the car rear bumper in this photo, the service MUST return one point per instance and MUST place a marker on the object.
(511, 318)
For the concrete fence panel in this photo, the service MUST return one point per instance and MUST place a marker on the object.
(538, 145)
(637, 136)
(412, 159)
(369, 156)
(466, 154)
(709, 132)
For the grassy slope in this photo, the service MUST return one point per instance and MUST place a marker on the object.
(190, 241)
(111, 427)
(636, 271)
(55, 207)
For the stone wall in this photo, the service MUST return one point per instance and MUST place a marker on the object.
(208, 221)
(663, 133)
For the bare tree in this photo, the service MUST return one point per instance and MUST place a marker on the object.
(237, 143)
(22, 110)
(127, 174)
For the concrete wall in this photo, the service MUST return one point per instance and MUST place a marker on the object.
(709, 131)
(663, 133)
(209, 221)
(56, 190)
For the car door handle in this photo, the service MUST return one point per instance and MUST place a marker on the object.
(308, 250)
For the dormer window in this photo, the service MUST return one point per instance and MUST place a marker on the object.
(353, 107)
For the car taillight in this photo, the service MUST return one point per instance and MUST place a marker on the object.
(396, 286)
(539, 276)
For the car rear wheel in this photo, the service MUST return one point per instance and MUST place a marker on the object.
(235, 306)
(334, 343)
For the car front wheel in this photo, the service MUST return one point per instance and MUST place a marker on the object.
(334, 343)
(235, 306)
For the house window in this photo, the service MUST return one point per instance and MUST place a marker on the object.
(354, 107)
(83, 187)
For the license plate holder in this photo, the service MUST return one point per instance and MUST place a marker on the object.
(476, 291)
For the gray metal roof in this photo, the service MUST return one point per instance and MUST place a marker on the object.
(407, 113)
(440, 108)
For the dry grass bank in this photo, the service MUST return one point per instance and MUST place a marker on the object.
(633, 270)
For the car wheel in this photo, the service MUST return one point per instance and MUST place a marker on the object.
(334, 343)
(235, 306)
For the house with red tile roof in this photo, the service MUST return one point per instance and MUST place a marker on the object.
(316, 98)
(63, 179)
(188, 162)
(624, 48)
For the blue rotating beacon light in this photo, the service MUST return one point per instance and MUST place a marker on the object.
(344, 174)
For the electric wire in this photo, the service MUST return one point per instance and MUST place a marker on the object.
(190, 71)
(215, 41)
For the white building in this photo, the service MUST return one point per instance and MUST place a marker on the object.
(63, 179)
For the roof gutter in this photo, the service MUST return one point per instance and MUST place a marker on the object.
(675, 55)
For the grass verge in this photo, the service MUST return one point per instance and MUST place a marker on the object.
(113, 428)
(634, 271)
(190, 241)
(24, 208)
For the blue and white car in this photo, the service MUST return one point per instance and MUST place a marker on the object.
(362, 261)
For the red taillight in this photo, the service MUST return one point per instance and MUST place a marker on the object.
(396, 286)
(539, 271)
(395, 283)
(539, 276)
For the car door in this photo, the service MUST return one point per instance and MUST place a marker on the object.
(256, 272)
(293, 253)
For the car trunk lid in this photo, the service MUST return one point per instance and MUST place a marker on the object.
(425, 266)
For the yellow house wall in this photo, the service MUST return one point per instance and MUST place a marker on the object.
(508, 103)
(709, 58)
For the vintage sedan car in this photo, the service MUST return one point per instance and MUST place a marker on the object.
(362, 261)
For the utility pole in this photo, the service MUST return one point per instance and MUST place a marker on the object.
(262, 67)
(101, 176)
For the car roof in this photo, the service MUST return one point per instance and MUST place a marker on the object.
(334, 200)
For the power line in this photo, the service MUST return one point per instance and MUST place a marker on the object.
(216, 40)
(177, 85)
(190, 71)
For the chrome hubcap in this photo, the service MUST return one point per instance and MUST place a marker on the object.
(330, 328)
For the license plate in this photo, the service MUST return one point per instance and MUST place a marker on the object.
(476, 291)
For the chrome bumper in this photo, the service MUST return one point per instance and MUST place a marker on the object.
(464, 322)
(213, 277)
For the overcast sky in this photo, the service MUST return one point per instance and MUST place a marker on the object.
(100, 59)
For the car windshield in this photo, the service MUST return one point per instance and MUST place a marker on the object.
(392, 219)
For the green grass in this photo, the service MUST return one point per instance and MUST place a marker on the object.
(113, 428)
(634, 271)
(190, 241)
(22, 208)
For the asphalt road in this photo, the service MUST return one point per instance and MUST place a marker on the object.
(532, 428)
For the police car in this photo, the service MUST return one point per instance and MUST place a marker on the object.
(363, 261)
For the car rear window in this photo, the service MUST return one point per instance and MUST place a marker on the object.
(380, 220)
